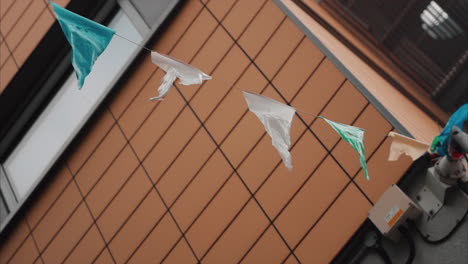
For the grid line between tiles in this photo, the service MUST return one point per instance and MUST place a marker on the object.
(5, 34)
(334, 201)
(101, 140)
(288, 103)
(75, 174)
(182, 150)
(27, 31)
(160, 197)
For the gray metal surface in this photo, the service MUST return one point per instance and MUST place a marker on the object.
(452, 251)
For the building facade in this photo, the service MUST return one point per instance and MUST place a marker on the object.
(194, 178)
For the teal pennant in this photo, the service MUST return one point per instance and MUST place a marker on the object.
(87, 38)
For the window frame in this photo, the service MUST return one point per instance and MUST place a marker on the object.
(355, 25)
(26, 114)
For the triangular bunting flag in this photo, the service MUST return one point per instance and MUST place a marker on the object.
(440, 142)
(277, 118)
(87, 38)
(405, 145)
(355, 137)
(174, 69)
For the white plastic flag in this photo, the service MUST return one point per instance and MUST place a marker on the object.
(174, 69)
(405, 145)
(277, 118)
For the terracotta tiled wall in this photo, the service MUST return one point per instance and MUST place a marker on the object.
(23, 23)
(172, 181)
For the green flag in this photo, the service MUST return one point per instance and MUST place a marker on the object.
(87, 38)
(355, 137)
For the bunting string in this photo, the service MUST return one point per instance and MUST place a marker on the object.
(89, 39)
(131, 41)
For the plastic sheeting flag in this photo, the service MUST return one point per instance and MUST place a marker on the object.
(277, 119)
(355, 137)
(174, 69)
(440, 142)
(87, 38)
(405, 145)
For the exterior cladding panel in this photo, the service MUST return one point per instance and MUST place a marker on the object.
(23, 24)
(194, 177)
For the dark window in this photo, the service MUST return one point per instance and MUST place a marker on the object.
(428, 39)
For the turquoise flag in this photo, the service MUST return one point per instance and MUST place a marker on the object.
(355, 137)
(440, 142)
(87, 38)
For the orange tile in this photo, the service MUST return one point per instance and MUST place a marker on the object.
(33, 37)
(201, 190)
(284, 183)
(7, 72)
(123, 204)
(111, 182)
(100, 160)
(343, 108)
(57, 216)
(298, 68)
(69, 236)
(224, 77)
(38, 261)
(141, 108)
(283, 42)
(239, 236)
(101, 124)
(240, 15)
(220, 8)
(376, 129)
(171, 144)
(133, 83)
(104, 258)
(208, 57)
(157, 123)
(318, 89)
(233, 106)
(260, 163)
(244, 136)
(6, 4)
(27, 253)
(291, 260)
(10, 18)
(193, 39)
(87, 249)
(217, 215)
(311, 201)
(269, 249)
(13, 240)
(382, 172)
(158, 243)
(25, 23)
(186, 166)
(261, 28)
(137, 227)
(62, 3)
(189, 12)
(335, 228)
(4, 52)
(48, 195)
(181, 254)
